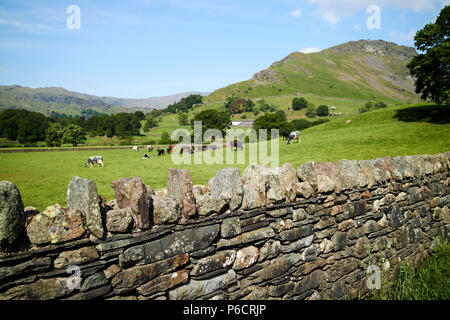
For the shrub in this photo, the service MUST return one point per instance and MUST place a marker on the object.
(299, 103)
(322, 111)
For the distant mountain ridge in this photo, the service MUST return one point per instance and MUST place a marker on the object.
(48, 99)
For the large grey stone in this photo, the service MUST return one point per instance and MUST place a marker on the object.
(307, 173)
(227, 186)
(119, 221)
(254, 180)
(188, 240)
(12, 218)
(349, 174)
(179, 186)
(230, 227)
(165, 209)
(82, 195)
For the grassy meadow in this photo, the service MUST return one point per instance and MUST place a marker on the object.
(42, 177)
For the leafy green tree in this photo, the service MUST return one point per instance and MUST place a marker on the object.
(150, 122)
(249, 105)
(299, 103)
(212, 119)
(185, 103)
(272, 121)
(322, 111)
(281, 114)
(73, 134)
(53, 135)
(139, 115)
(165, 138)
(432, 68)
(183, 118)
(301, 124)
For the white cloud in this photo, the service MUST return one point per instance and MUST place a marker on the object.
(403, 38)
(330, 16)
(310, 49)
(356, 27)
(296, 13)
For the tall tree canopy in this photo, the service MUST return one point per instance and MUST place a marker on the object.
(432, 68)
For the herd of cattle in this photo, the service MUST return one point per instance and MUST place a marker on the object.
(236, 144)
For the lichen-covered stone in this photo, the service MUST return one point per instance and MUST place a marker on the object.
(307, 173)
(12, 218)
(230, 227)
(119, 221)
(166, 209)
(227, 186)
(179, 186)
(254, 180)
(246, 257)
(82, 195)
(349, 174)
(56, 225)
(207, 204)
(219, 260)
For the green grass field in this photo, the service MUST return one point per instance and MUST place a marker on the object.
(42, 177)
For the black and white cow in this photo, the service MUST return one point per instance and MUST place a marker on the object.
(294, 135)
(94, 160)
(145, 156)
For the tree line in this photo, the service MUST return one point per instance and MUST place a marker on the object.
(28, 127)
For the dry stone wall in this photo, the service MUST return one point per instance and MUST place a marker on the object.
(276, 233)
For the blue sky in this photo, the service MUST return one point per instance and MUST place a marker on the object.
(144, 48)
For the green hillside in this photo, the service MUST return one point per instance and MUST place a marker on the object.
(348, 74)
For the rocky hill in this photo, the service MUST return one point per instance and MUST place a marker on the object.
(355, 70)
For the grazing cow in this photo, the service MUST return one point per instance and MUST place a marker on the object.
(237, 144)
(170, 148)
(145, 156)
(187, 149)
(160, 152)
(135, 148)
(294, 135)
(94, 160)
(286, 135)
(149, 148)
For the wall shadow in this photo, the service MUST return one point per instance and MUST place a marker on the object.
(432, 114)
